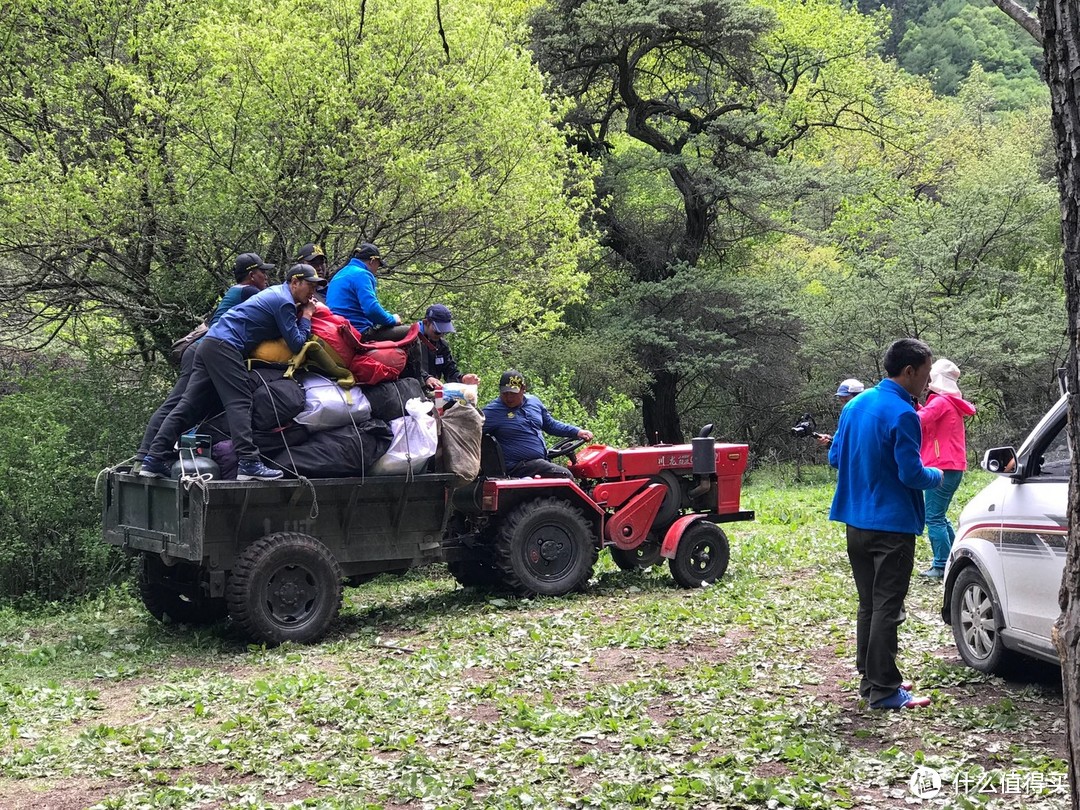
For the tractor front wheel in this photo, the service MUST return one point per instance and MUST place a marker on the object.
(545, 548)
(701, 557)
(285, 587)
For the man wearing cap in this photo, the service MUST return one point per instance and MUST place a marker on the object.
(436, 359)
(250, 272)
(313, 254)
(848, 390)
(352, 294)
(880, 479)
(518, 421)
(219, 368)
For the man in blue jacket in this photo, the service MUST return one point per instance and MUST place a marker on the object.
(518, 421)
(250, 272)
(879, 496)
(282, 311)
(352, 294)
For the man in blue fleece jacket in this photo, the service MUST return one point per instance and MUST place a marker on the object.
(219, 368)
(876, 451)
(353, 295)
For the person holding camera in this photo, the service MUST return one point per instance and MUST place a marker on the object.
(879, 497)
(848, 390)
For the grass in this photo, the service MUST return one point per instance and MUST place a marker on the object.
(425, 695)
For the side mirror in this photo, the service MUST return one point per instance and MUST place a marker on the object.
(1001, 460)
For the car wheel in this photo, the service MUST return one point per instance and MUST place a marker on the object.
(976, 623)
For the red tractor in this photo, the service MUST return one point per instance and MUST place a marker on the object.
(543, 535)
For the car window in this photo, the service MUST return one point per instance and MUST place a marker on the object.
(1052, 454)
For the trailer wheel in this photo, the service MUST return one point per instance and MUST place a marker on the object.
(285, 587)
(701, 557)
(644, 556)
(169, 592)
(545, 548)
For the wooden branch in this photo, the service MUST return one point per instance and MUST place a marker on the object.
(1024, 18)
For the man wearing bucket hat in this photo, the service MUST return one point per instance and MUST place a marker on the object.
(353, 294)
(518, 421)
(847, 391)
(944, 445)
(219, 369)
(436, 359)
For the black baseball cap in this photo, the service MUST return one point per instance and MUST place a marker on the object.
(305, 272)
(246, 262)
(368, 251)
(310, 253)
(512, 381)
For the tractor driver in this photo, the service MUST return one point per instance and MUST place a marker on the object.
(518, 421)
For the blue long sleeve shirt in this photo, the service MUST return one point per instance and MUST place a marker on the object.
(880, 475)
(269, 315)
(352, 294)
(519, 431)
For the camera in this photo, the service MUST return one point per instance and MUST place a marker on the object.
(805, 426)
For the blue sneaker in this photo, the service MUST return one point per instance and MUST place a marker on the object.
(152, 468)
(251, 469)
(933, 573)
(903, 699)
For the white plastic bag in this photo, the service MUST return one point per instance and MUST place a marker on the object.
(329, 405)
(416, 438)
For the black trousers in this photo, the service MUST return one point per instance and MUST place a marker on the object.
(219, 368)
(539, 466)
(187, 363)
(881, 563)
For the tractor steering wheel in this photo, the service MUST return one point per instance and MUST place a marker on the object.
(566, 448)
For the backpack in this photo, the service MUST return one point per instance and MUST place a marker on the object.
(178, 347)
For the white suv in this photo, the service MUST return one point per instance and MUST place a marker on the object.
(1004, 571)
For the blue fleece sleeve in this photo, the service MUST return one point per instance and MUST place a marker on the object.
(369, 301)
(837, 441)
(554, 426)
(906, 452)
(294, 331)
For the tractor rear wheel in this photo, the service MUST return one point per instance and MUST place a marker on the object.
(701, 557)
(644, 556)
(174, 592)
(285, 587)
(545, 548)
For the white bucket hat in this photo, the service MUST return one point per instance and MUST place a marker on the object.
(943, 377)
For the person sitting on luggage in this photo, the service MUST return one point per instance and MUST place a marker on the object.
(437, 361)
(352, 294)
(250, 273)
(219, 368)
(518, 422)
(313, 254)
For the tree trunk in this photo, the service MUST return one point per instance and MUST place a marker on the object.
(1061, 42)
(659, 411)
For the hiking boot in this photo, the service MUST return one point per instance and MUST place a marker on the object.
(152, 468)
(903, 699)
(933, 573)
(251, 469)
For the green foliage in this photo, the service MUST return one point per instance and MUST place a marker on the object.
(950, 37)
(57, 431)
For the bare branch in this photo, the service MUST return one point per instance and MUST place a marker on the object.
(1024, 18)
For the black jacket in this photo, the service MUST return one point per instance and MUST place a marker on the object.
(437, 360)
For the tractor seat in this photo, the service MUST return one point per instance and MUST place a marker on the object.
(492, 462)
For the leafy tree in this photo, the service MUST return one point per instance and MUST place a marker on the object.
(688, 105)
(151, 141)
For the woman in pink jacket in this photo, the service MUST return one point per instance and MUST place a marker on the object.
(944, 447)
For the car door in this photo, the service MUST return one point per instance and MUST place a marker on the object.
(1034, 527)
